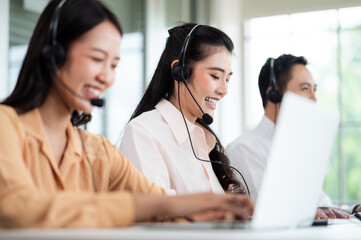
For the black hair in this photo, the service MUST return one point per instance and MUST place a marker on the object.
(282, 70)
(35, 78)
(162, 83)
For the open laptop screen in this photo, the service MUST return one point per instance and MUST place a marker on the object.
(297, 164)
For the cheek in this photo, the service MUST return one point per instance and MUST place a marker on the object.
(206, 86)
(81, 69)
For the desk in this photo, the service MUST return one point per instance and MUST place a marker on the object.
(349, 231)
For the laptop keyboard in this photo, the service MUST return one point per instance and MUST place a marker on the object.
(344, 221)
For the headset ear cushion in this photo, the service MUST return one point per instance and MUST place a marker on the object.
(180, 73)
(53, 53)
(186, 71)
(275, 96)
(177, 73)
(59, 54)
(46, 53)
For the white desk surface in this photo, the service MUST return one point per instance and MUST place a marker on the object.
(349, 231)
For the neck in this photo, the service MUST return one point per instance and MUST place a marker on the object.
(187, 115)
(184, 104)
(54, 113)
(272, 110)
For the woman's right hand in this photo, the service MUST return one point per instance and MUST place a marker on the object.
(200, 207)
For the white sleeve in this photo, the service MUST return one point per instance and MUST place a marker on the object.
(146, 154)
(244, 160)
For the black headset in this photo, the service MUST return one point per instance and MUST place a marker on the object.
(274, 95)
(53, 53)
(181, 71)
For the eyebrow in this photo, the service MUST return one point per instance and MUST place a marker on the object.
(219, 69)
(102, 51)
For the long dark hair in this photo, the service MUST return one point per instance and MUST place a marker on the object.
(162, 83)
(35, 78)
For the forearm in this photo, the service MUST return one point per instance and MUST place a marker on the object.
(150, 206)
(30, 209)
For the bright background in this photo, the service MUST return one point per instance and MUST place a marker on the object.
(326, 32)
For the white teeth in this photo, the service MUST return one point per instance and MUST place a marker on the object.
(94, 91)
(211, 100)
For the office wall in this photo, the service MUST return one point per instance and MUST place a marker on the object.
(228, 15)
(263, 8)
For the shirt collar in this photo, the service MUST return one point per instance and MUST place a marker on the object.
(33, 125)
(176, 123)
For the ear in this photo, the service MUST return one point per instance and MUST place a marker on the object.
(174, 63)
(268, 89)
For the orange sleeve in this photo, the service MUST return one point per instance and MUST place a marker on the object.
(22, 204)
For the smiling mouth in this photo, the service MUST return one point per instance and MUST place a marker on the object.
(212, 101)
(93, 92)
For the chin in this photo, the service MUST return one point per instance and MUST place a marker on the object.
(86, 109)
(209, 111)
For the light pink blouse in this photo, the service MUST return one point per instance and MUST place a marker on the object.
(157, 143)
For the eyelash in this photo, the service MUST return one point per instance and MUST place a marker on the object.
(217, 78)
(114, 66)
(214, 76)
(97, 59)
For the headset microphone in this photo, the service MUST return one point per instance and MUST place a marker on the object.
(98, 102)
(181, 72)
(207, 118)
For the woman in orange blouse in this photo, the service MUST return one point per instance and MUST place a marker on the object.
(51, 173)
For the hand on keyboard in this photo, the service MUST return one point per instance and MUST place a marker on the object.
(325, 212)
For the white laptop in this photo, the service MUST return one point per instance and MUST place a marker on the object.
(297, 164)
(296, 168)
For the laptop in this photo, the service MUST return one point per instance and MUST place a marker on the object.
(297, 164)
(295, 171)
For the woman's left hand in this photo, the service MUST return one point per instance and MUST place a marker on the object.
(325, 212)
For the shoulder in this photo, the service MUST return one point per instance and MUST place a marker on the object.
(8, 117)
(11, 126)
(95, 140)
(150, 121)
(246, 140)
(98, 147)
(251, 144)
(145, 118)
(8, 112)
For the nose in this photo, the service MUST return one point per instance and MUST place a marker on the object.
(222, 89)
(313, 96)
(106, 75)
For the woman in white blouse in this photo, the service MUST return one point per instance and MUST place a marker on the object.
(156, 137)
